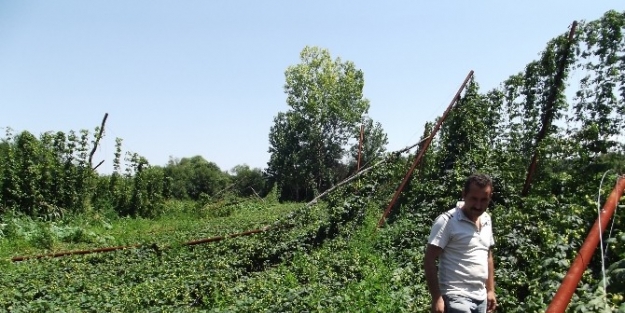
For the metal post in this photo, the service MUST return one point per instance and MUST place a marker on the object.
(571, 280)
(422, 150)
(549, 112)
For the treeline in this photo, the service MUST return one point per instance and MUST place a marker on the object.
(314, 145)
(52, 175)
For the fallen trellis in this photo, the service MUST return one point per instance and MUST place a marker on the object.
(391, 156)
(75, 252)
(110, 249)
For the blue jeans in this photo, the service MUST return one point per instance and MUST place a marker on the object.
(461, 304)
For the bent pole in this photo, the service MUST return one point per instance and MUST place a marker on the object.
(571, 280)
(424, 149)
(549, 112)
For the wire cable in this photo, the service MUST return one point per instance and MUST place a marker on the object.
(611, 228)
(432, 115)
(605, 288)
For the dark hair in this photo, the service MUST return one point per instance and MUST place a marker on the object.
(480, 180)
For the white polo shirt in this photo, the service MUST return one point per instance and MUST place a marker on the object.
(463, 265)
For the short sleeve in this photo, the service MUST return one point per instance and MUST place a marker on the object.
(492, 237)
(439, 234)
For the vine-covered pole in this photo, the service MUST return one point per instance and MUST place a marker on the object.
(424, 149)
(362, 129)
(360, 145)
(573, 276)
(549, 112)
(97, 141)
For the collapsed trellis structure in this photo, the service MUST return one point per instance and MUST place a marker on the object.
(568, 286)
(220, 238)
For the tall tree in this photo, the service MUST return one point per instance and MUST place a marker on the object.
(308, 142)
(190, 177)
(248, 181)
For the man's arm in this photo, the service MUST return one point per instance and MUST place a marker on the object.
(438, 239)
(490, 283)
(431, 273)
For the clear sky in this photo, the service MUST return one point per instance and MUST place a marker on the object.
(185, 78)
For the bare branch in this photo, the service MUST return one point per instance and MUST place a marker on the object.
(97, 141)
(98, 165)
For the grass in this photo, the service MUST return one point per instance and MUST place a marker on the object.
(352, 271)
(345, 274)
(184, 221)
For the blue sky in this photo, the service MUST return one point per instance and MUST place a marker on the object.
(185, 78)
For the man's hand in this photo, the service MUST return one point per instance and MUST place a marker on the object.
(491, 302)
(438, 305)
(429, 264)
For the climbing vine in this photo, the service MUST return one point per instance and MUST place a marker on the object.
(309, 258)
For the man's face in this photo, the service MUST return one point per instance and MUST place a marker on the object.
(476, 201)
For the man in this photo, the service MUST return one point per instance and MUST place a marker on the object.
(462, 238)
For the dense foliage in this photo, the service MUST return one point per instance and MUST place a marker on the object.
(328, 256)
(309, 142)
(52, 176)
(494, 132)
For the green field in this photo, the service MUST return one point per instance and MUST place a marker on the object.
(322, 249)
(184, 222)
(326, 257)
(298, 268)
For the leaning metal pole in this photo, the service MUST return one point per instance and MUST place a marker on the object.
(549, 112)
(424, 149)
(569, 284)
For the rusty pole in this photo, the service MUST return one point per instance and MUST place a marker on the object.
(549, 112)
(362, 127)
(75, 252)
(111, 249)
(569, 284)
(424, 148)
(360, 146)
